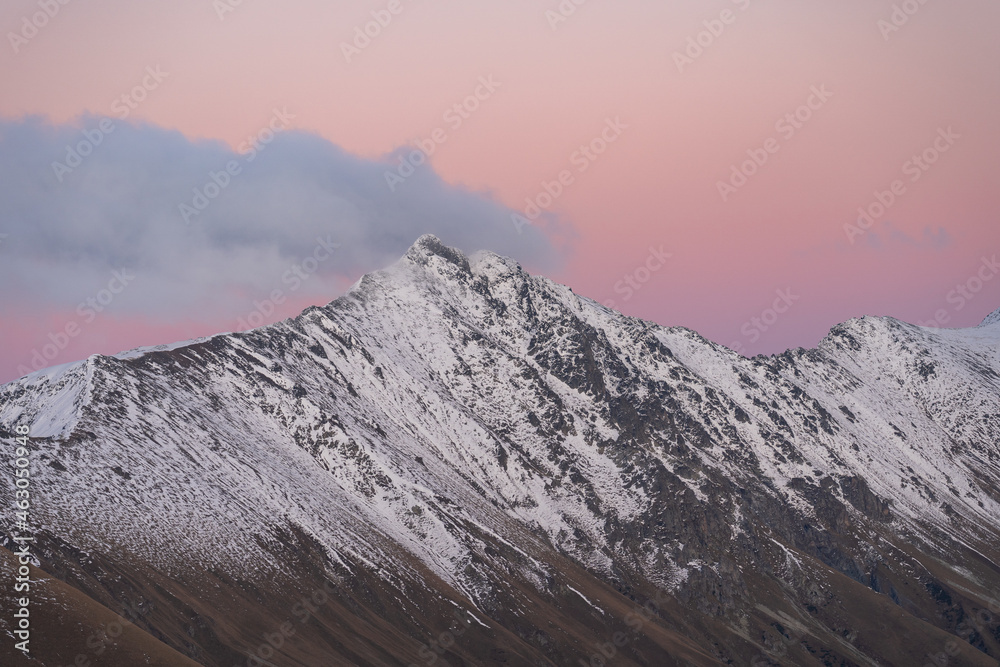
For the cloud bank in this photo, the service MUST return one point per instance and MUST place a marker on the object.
(203, 228)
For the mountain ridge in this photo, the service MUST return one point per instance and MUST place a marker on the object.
(432, 245)
(455, 429)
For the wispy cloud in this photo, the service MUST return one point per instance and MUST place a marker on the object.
(123, 206)
(889, 237)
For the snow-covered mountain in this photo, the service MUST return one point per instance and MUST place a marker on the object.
(482, 467)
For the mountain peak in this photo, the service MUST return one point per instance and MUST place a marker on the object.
(992, 318)
(427, 241)
(429, 246)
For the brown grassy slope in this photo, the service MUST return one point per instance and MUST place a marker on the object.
(66, 624)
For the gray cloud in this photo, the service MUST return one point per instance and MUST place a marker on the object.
(69, 228)
(933, 239)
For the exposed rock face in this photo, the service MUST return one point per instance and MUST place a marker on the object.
(469, 464)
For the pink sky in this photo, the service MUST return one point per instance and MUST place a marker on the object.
(657, 183)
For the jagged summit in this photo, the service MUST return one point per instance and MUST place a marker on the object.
(429, 246)
(428, 252)
(992, 318)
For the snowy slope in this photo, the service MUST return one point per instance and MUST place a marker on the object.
(449, 404)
